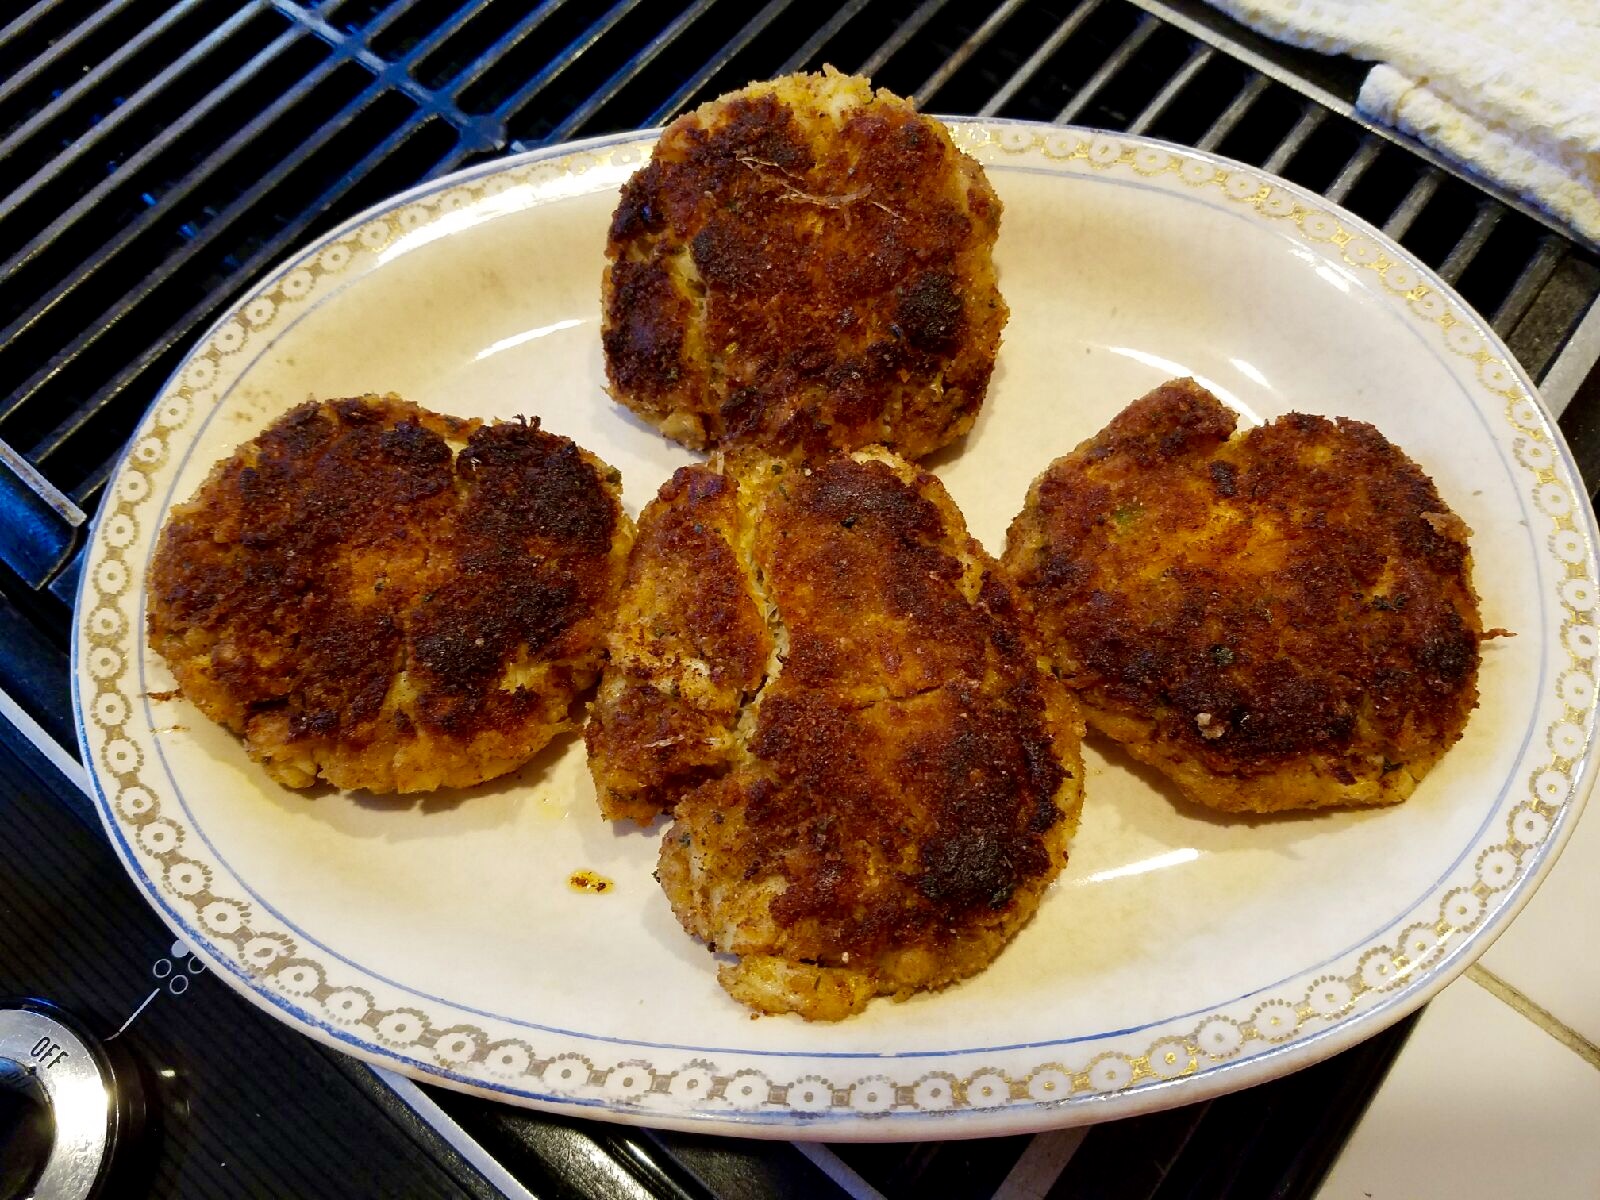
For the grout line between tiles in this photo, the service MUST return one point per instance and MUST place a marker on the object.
(1542, 1017)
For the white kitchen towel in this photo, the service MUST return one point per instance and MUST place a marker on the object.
(1509, 87)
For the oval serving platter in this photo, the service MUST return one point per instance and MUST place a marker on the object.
(1180, 955)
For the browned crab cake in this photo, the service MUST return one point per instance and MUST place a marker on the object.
(1279, 620)
(830, 687)
(365, 605)
(804, 264)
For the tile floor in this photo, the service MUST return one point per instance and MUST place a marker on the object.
(1497, 1093)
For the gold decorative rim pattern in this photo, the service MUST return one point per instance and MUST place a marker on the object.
(426, 1038)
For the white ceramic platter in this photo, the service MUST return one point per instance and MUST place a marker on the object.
(1180, 955)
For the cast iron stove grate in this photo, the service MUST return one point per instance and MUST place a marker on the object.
(158, 158)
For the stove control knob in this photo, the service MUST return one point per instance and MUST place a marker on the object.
(27, 1129)
(61, 1114)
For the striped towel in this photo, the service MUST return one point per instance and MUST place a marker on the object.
(1511, 88)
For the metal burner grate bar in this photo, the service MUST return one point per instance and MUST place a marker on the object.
(1399, 222)
(1113, 64)
(395, 75)
(198, 314)
(904, 32)
(72, 95)
(845, 14)
(1308, 123)
(59, 50)
(1197, 61)
(143, 294)
(1352, 171)
(747, 34)
(513, 37)
(965, 51)
(41, 524)
(152, 149)
(20, 24)
(387, 17)
(430, 41)
(1235, 112)
(1529, 284)
(1025, 73)
(581, 115)
(103, 255)
(567, 58)
(1488, 216)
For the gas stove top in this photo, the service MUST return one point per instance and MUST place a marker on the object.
(212, 1098)
(158, 160)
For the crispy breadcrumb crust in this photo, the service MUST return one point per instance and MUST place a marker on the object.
(1283, 620)
(804, 264)
(367, 607)
(829, 684)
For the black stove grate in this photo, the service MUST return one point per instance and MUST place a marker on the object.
(156, 167)
(158, 158)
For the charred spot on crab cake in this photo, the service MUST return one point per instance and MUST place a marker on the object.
(380, 597)
(872, 778)
(804, 264)
(1283, 619)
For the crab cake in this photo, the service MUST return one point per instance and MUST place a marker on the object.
(384, 598)
(1279, 620)
(804, 264)
(689, 647)
(872, 777)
